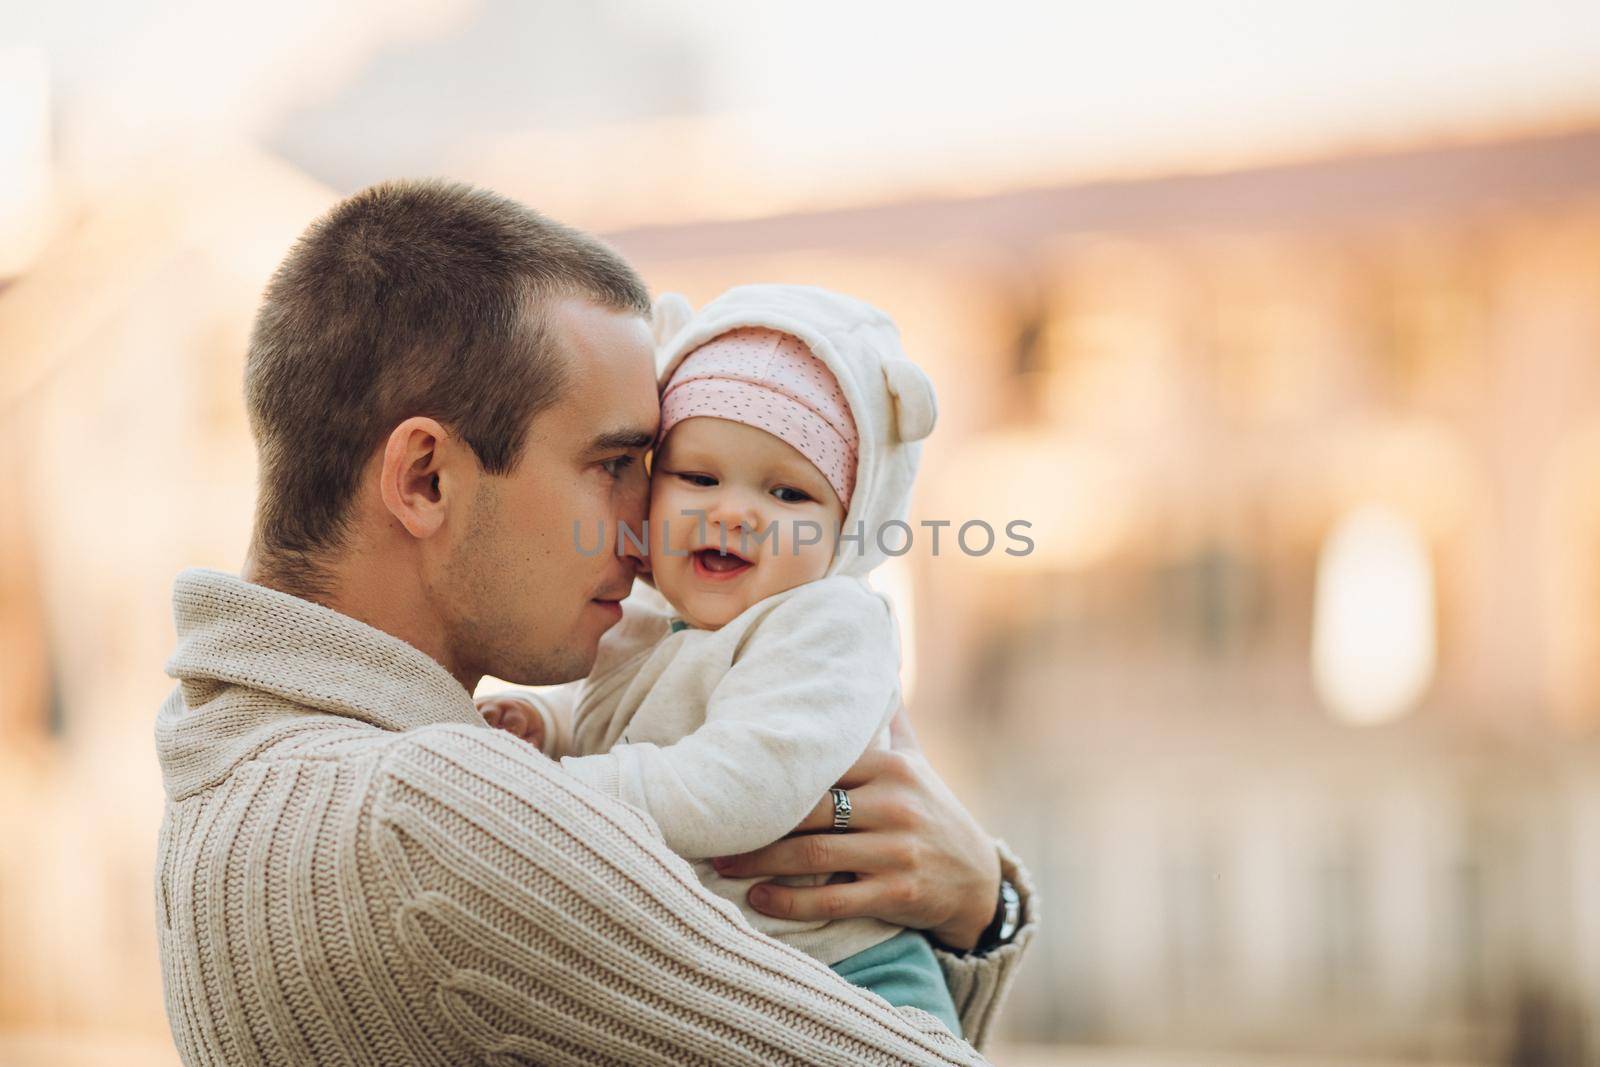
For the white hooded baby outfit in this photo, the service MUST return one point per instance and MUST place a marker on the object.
(727, 738)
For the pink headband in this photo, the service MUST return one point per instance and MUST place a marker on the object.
(772, 381)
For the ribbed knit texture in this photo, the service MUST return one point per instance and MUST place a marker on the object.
(353, 869)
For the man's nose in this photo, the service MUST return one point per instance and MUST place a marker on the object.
(631, 512)
(633, 544)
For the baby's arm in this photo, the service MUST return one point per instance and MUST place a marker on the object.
(814, 682)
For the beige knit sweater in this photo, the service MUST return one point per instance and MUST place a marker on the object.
(353, 869)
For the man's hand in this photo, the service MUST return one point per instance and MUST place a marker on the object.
(514, 715)
(919, 858)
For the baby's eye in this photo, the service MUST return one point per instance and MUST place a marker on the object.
(704, 481)
(790, 496)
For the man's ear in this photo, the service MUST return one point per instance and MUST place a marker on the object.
(415, 477)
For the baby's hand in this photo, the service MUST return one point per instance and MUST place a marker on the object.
(514, 715)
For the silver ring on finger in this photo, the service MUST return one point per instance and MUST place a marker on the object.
(841, 810)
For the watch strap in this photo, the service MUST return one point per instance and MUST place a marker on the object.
(1004, 924)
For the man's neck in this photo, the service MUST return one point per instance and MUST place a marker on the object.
(368, 588)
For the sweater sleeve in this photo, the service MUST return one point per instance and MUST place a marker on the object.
(813, 683)
(978, 984)
(544, 922)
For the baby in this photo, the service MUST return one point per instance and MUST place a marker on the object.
(762, 665)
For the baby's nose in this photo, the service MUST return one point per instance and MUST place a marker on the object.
(735, 512)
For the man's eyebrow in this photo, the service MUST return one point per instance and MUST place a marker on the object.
(622, 440)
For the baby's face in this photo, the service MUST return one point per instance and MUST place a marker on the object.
(761, 498)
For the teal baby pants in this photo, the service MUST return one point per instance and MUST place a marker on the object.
(903, 971)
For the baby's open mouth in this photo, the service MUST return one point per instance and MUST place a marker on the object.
(713, 563)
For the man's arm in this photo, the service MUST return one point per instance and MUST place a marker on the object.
(553, 923)
(978, 982)
(920, 860)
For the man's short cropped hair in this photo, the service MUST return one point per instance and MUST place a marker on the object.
(408, 298)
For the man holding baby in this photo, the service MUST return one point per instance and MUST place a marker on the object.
(353, 866)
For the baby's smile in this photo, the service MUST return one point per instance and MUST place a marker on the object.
(715, 565)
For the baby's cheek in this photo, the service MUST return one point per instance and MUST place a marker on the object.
(668, 531)
(793, 569)
(666, 525)
(816, 561)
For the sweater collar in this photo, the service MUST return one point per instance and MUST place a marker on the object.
(239, 634)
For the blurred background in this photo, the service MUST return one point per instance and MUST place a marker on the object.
(1280, 322)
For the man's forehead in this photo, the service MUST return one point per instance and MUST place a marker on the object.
(609, 356)
(593, 334)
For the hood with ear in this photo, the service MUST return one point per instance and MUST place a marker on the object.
(891, 399)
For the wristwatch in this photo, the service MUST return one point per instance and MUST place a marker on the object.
(1003, 927)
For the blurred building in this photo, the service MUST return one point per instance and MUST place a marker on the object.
(121, 363)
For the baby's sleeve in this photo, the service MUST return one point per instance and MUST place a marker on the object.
(554, 706)
(813, 682)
